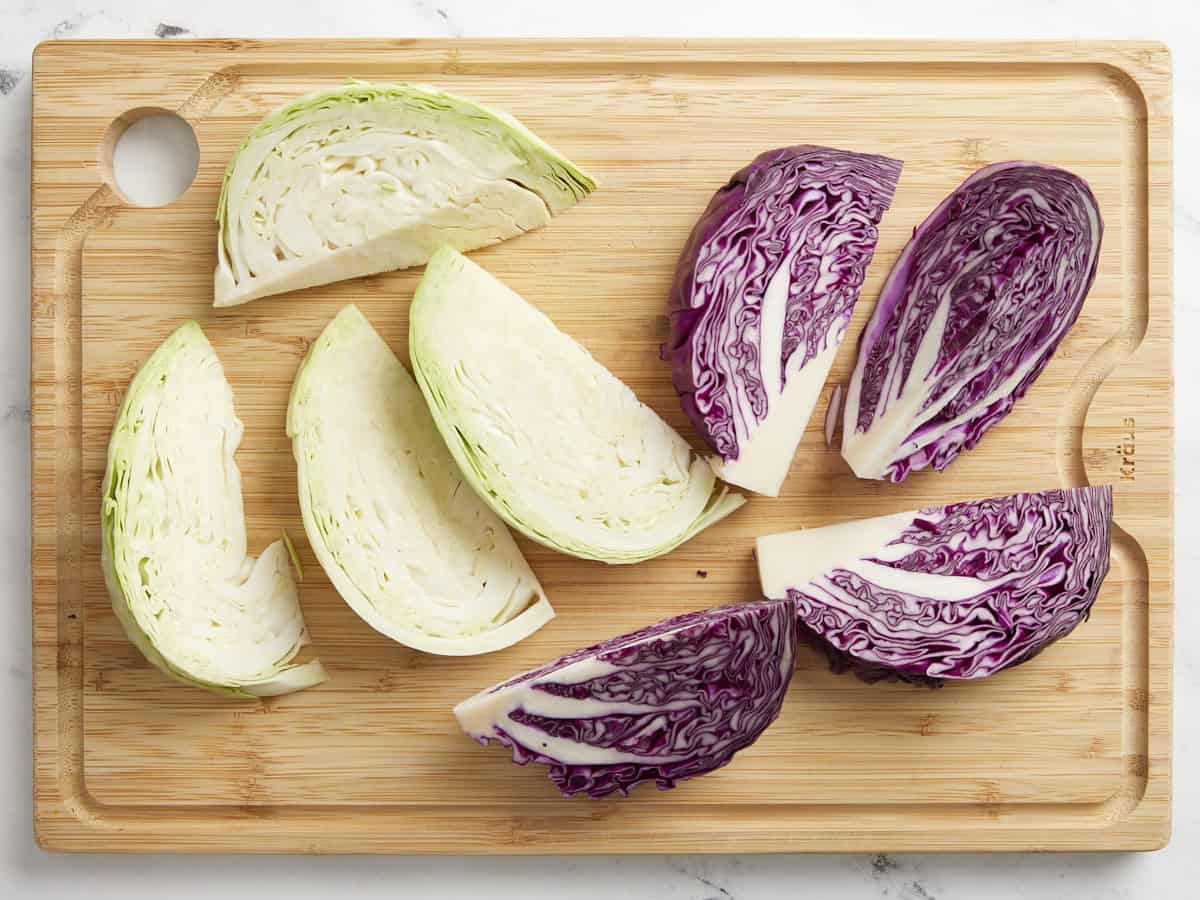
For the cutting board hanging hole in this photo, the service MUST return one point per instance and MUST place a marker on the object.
(149, 156)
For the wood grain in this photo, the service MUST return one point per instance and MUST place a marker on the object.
(1071, 751)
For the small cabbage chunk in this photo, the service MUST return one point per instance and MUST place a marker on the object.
(174, 538)
(407, 544)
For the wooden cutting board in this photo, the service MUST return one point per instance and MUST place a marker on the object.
(1070, 751)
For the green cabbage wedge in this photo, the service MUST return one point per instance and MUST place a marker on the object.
(552, 440)
(409, 547)
(174, 537)
(370, 178)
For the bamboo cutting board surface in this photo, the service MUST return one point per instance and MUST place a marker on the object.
(1070, 751)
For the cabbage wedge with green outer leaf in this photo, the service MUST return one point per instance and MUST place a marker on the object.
(369, 178)
(409, 547)
(173, 536)
(552, 440)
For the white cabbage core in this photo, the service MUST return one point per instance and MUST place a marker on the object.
(481, 715)
(802, 560)
(766, 451)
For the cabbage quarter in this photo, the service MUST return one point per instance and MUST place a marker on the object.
(949, 592)
(551, 439)
(370, 178)
(407, 544)
(174, 539)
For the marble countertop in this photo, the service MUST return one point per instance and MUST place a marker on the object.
(27, 871)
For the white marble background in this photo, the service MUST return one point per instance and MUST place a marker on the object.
(26, 871)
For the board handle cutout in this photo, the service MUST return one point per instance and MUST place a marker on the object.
(149, 156)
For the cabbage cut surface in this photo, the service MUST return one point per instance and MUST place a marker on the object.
(370, 178)
(407, 544)
(669, 702)
(174, 539)
(552, 440)
(948, 592)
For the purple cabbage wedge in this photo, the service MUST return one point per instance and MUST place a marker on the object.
(947, 593)
(763, 292)
(672, 701)
(969, 316)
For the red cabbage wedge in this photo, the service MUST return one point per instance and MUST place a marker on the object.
(946, 593)
(671, 701)
(762, 296)
(969, 316)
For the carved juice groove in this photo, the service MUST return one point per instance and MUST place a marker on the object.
(1102, 365)
(97, 211)
(1125, 343)
(68, 285)
(1128, 554)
